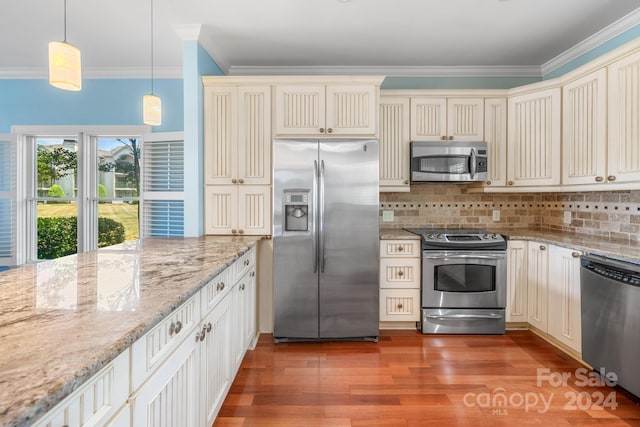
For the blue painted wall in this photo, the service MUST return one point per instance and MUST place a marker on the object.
(627, 36)
(196, 63)
(100, 102)
(456, 82)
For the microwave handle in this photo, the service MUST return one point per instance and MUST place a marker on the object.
(472, 166)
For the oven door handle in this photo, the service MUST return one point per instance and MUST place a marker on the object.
(463, 256)
(463, 316)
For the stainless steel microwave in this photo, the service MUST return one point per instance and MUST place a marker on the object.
(443, 161)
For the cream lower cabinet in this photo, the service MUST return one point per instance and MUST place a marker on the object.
(399, 282)
(537, 285)
(564, 297)
(395, 173)
(516, 310)
(238, 209)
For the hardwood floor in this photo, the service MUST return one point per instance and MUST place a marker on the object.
(410, 379)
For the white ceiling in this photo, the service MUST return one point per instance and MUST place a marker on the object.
(271, 36)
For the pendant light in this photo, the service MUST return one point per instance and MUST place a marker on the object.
(65, 70)
(151, 104)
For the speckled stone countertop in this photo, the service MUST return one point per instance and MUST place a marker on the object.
(61, 321)
(580, 242)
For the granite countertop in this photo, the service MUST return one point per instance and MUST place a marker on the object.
(580, 242)
(62, 320)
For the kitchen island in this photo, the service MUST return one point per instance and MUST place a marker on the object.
(63, 320)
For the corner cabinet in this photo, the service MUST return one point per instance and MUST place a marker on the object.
(534, 138)
(237, 149)
(347, 108)
(394, 143)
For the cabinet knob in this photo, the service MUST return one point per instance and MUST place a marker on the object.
(406, 182)
(599, 179)
(451, 138)
(400, 306)
(220, 286)
(400, 248)
(242, 286)
(252, 274)
(321, 130)
(611, 178)
(208, 327)
(198, 337)
(575, 254)
(400, 273)
(543, 248)
(444, 138)
(172, 329)
(488, 182)
(246, 262)
(178, 327)
(233, 181)
(234, 231)
(241, 231)
(329, 130)
(241, 181)
(510, 183)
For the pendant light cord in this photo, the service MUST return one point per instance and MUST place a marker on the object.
(65, 21)
(151, 46)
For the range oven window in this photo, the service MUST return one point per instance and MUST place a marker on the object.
(442, 164)
(465, 278)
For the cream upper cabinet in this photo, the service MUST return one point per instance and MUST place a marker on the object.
(533, 154)
(238, 209)
(516, 310)
(495, 134)
(333, 110)
(537, 285)
(454, 119)
(584, 129)
(237, 122)
(624, 115)
(394, 143)
(564, 296)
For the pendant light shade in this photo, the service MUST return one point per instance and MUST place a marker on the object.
(151, 104)
(152, 110)
(65, 69)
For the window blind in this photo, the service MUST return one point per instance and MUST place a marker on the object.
(7, 200)
(163, 185)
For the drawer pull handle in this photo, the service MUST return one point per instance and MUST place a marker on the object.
(172, 329)
(400, 248)
(178, 327)
(400, 306)
(400, 273)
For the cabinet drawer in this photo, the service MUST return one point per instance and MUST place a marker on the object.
(216, 289)
(398, 305)
(400, 273)
(96, 401)
(156, 345)
(243, 264)
(399, 248)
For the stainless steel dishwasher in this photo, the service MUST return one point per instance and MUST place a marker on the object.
(610, 293)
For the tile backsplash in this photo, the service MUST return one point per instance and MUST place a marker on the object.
(613, 214)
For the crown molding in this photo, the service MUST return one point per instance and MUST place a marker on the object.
(615, 29)
(97, 73)
(408, 71)
(188, 31)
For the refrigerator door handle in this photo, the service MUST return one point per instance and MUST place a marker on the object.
(321, 217)
(314, 238)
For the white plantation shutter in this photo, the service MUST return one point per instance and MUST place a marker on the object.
(163, 184)
(7, 200)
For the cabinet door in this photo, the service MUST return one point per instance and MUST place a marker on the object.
(351, 110)
(216, 371)
(534, 139)
(584, 129)
(537, 285)
(254, 134)
(465, 119)
(564, 296)
(516, 281)
(394, 143)
(495, 132)
(254, 210)
(220, 134)
(428, 119)
(400, 272)
(399, 305)
(170, 397)
(300, 110)
(221, 209)
(250, 309)
(624, 115)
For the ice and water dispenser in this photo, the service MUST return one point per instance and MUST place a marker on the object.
(296, 208)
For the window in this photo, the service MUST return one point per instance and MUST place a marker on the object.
(82, 188)
(7, 200)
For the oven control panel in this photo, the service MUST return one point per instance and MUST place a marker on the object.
(462, 238)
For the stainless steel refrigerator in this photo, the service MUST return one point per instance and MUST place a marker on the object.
(325, 239)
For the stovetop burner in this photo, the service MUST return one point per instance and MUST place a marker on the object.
(459, 238)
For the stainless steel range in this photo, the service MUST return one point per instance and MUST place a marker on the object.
(464, 281)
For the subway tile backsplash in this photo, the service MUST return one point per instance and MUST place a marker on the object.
(613, 214)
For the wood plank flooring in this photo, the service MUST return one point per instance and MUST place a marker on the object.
(410, 379)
